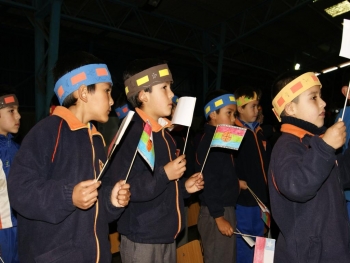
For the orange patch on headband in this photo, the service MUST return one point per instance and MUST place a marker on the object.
(101, 72)
(9, 99)
(296, 87)
(77, 78)
(60, 91)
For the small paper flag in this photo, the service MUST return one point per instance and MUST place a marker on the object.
(227, 136)
(145, 146)
(264, 250)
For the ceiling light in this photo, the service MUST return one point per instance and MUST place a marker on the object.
(329, 70)
(297, 66)
(344, 64)
(338, 9)
(316, 73)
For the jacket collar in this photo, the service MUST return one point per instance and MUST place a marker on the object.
(294, 130)
(240, 123)
(73, 122)
(156, 126)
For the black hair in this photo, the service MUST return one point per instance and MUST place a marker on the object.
(212, 95)
(69, 62)
(135, 67)
(6, 90)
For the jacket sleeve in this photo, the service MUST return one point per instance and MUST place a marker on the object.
(145, 184)
(32, 194)
(344, 165)
(299, 173)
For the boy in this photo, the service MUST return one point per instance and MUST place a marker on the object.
(62, 216)
(252, 161)
(306, 178)
(154, 217)
(9, 123)
(217, 219)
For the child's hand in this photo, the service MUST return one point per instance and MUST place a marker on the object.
(224, 226)
(194, 183)
(120, 195)
(243, 185)
(85, 194)
(335, 135)
(175, 169)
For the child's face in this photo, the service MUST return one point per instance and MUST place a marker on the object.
(226, 115)
(159, 103)
(310, 107)
(250, 112)
(9, 120)
(100, 102)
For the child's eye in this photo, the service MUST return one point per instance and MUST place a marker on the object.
(314, 97)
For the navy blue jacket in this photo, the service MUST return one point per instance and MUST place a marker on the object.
(252, 159)
(221, 181)
(8, 149)
(54, 156)
(306, 181)
(155, 211)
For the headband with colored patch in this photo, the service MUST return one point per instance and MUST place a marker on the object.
(292, 90)
(218, 103)
(8, 100)
(243, 100)
(146, 79)
(85, 75)
(122, 111)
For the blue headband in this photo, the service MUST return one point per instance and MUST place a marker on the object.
(85, 75)
(122, 111)
(175, 99)
(218, 103)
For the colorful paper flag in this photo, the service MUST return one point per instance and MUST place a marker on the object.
(227, 136)
(264, 250)
(265, 213)
(145, 146)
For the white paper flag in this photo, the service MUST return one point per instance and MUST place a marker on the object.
(345, 43)
(184, 111)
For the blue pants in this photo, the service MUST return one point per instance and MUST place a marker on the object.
(248, 222)
(8, 245)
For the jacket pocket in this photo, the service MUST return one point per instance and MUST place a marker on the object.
(64, 253)
(315, 249)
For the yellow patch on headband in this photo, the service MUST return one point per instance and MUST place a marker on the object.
(163, 72)
(142, 80)
(218, 103)
(126, 90)
(207, 109)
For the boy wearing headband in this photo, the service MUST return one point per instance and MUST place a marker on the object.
(217, 219)
(252, 161)
(154, 216)
(9, 124)
(306, 177)
(63, 212)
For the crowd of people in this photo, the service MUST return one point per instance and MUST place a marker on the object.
(53, 208)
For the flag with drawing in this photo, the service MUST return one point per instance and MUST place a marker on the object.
(264, 211)
(226, 136)
(145, 146)
(264, 250)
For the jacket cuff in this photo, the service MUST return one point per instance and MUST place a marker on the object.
(68, 193)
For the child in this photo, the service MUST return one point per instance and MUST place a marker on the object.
(154, 217)
(306, 178)
(252, 161)
(62, 215)
(217, 219)
(9, 123)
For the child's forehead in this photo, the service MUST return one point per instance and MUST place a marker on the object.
(312, 90)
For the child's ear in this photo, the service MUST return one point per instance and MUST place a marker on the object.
(82, 93)
(212, 115)
(143, 96)
(290, 109)
(240, 109)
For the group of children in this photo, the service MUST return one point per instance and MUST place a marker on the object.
(63, 211)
